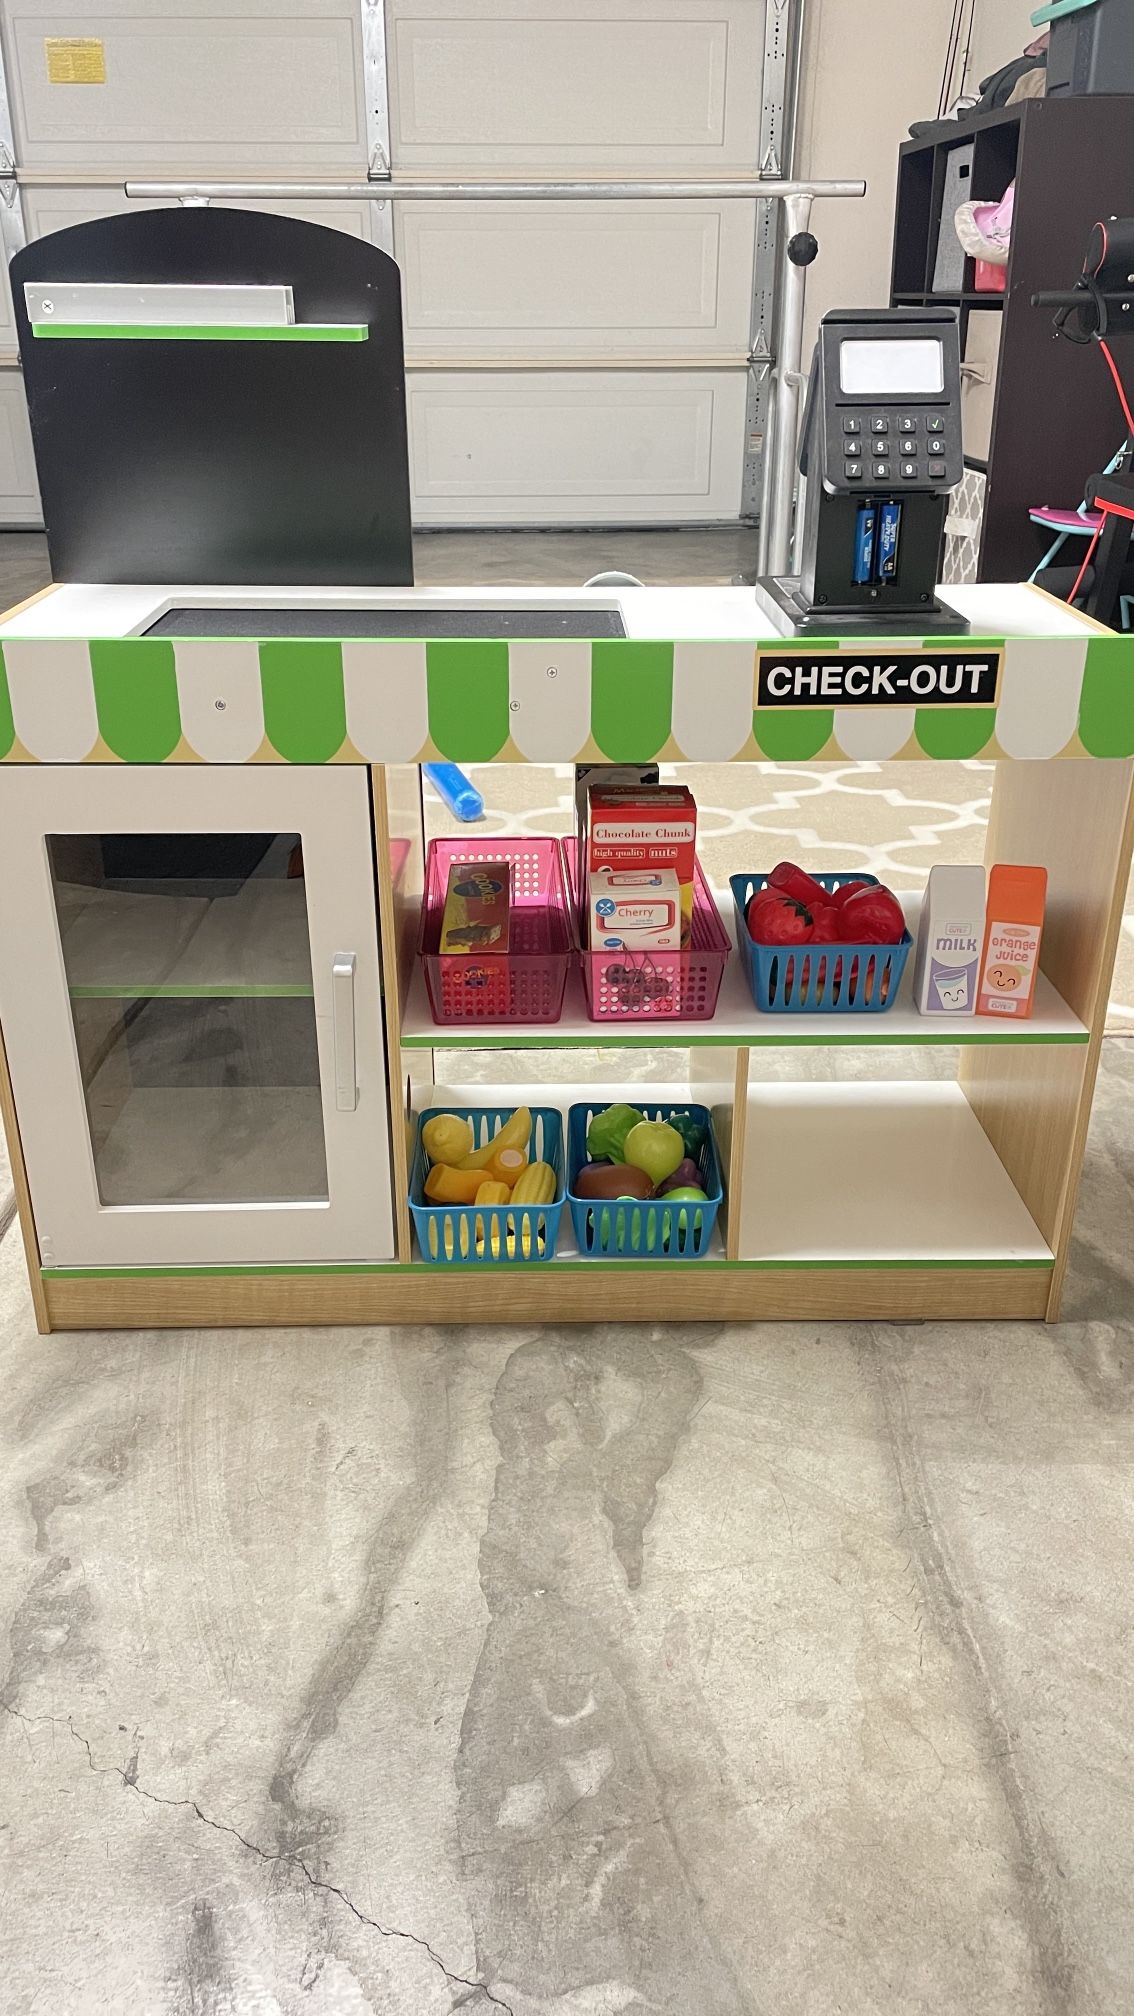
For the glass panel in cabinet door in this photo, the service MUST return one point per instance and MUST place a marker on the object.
(188, 964)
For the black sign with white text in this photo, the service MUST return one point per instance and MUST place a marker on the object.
(877, 678)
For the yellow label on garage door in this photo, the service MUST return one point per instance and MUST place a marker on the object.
(75, 59)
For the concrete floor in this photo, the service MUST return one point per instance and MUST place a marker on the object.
(710, 1671)
(781, 1670)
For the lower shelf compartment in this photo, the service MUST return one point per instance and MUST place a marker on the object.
(883, 1174)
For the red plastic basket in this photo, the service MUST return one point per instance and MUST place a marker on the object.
(659, 986)
(524, 984)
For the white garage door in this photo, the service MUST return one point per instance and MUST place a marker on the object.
(567, 363)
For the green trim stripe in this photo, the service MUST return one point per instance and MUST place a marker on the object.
(660, 1268)
(631, 698)
(606, 1036)
(304, 702)
(1106, 704)
(135, 687)
(792, 734)
(950, 734)
(219, 332)
(467, 691)
(7, 725)
(122, 991)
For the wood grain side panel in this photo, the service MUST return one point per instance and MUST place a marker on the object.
(591, 1293)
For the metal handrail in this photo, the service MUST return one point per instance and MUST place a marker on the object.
(409, 189)
(797, 197)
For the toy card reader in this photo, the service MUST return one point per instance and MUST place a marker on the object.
(881, 450)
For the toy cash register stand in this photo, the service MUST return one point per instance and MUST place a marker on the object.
(218, 1046)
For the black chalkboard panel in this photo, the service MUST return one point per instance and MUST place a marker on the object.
(282, 463)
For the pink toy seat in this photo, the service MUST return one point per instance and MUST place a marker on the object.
(1065, 521)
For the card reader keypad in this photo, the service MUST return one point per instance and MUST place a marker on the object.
(906, 447)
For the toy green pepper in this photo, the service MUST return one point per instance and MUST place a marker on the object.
(691, 1131)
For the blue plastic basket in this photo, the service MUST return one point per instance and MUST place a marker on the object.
(494, 1235)
(818, 979)
(627, 1229)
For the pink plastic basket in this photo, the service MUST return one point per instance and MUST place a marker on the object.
(524, 984)
(659, 986)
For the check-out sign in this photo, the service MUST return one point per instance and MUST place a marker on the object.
(901, 678)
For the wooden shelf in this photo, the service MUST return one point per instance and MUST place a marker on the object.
(118, 945)
(892, 1174)
(737, 1023)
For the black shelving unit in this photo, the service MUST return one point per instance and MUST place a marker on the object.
(1055, 419)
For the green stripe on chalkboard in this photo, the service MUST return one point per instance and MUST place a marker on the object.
(467, 685)
(631, 698)
(135, 689)
(210, 332)
(7, 725)
(301, 679)
(1106, 704)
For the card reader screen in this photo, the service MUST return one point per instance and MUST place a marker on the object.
(902, 366)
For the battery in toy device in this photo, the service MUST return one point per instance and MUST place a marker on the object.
(889, 534)
(864, 530)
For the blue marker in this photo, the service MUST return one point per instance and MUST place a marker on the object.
(455, 790)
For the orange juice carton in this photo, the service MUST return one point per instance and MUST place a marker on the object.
(635, 910)
(947, 962)
(478, 905)
(1013, 929)
(644, 828)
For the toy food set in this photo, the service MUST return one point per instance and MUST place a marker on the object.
(636, 828)
(635, 910)
(507, 907)
(947, 964)
(487, 1185)
(1013, 932)
(478, 900)
(820, 944)
(645, 1182)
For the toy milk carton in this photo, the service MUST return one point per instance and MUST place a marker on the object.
(947, 962)
(1010, 962)
(639, 830)
(635, 912)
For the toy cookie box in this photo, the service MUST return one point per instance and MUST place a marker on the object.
(644, 829)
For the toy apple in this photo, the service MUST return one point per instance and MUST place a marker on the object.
(655, 1147)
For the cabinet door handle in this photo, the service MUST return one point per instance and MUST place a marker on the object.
(342, 1011)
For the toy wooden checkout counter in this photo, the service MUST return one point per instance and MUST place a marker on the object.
(219, 1018)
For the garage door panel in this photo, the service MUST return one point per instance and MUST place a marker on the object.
(48, 208)
(509, 278)
(502, 447)
(275, 85)
(509, 84)
(19, 489)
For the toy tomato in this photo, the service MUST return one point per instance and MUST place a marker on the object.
(846, 890)
(796, 882)
(826, 925)
(777, 920)
(872, 917)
